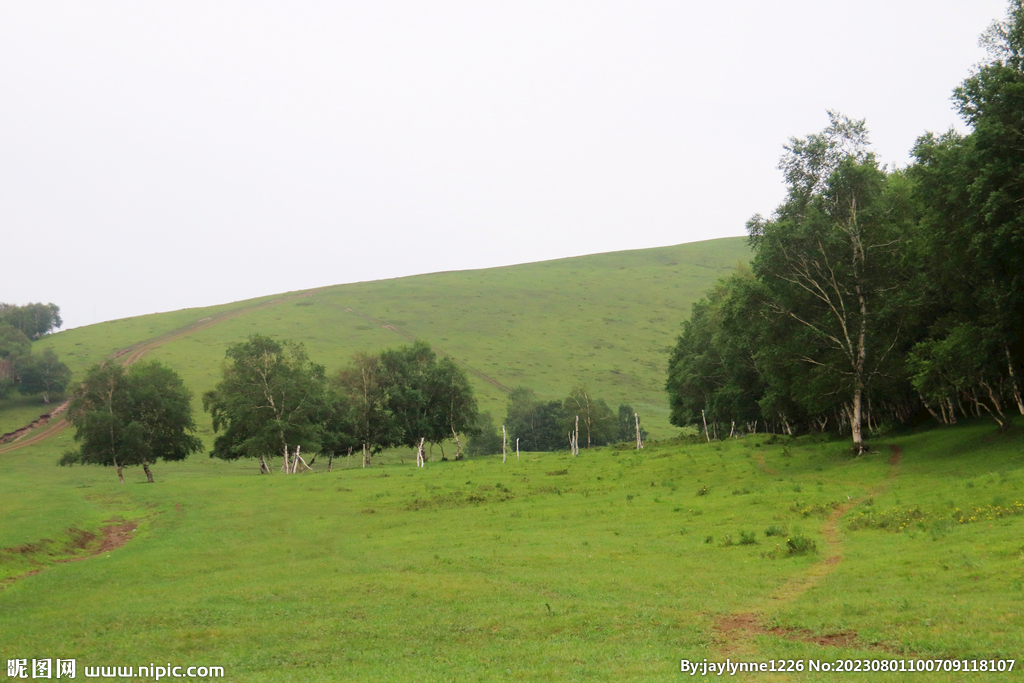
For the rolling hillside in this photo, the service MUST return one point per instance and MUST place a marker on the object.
(605, 321)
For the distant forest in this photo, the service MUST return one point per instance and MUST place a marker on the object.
(876, 295)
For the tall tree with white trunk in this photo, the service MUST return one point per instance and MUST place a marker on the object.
(831, 259)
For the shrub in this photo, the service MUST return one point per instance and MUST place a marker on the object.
(800, 545)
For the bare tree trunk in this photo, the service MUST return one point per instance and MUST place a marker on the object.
(330, 462)
(704, 417)
(421, 460)
(997, 414)
(576, 438)
(286, 467)
(855, 421)
(149, 475)
(639, 441)
(458, 445)
(504, 443)
(587, 399)
(264, 467)
(1015, 386)
(364, 456)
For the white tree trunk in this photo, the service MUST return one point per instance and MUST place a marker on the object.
(1013, 382)
(421, 460)
(576, 437)
(639, 440)
(286, 466)
(458, 445)
(707, 435)
(517, 448)
(504, 443)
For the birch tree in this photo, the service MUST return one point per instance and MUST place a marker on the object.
(271, 400)
(830, 258)
(132, 417)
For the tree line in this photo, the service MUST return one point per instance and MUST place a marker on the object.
(541, 426)
(876, 295)
(274, 400)
(32, 374)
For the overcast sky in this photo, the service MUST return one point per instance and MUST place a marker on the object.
(164, 155)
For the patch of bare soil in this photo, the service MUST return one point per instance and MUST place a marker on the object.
(736, 630)
(115, 534)
(38, 422)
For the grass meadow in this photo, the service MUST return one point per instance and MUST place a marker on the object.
(610, 566)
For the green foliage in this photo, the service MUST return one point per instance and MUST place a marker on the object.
(815, 509)
(800, 545)
(13, 342)
(545, 426)
(876, 293)
(539, 426)
(428, 398)
(360, 407)
(43, 374)
(34, 320)
(272, 397)
(486, 440)
(598, 425)
(132, 417)
(399, 397)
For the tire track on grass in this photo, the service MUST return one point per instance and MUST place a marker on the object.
(27, 436)
(735, 632)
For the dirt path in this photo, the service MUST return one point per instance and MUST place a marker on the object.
(735, 633)
(20, 438)
(115, 534)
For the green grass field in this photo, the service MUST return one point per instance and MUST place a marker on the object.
(609, 566)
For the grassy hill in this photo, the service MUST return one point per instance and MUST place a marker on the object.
(605, 321)
(614, 565)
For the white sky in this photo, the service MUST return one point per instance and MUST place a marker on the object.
(158, 156)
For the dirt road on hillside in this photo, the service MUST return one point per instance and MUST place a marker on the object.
(51, 423)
